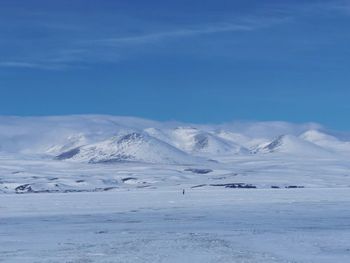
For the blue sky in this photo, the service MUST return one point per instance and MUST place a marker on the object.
(188, 60)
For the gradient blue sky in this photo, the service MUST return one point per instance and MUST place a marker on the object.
(188, 60)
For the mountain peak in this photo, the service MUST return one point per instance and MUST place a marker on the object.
(316, 135)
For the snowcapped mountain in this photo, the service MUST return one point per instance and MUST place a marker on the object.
(209, 143)
(129, 147)
(317, 136)
(326, 141)
(196, 141)
(100, 153)
(291, 144)
(240, 139)
(102, 139)
(200, 142)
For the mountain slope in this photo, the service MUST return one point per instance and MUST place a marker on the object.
(132, 147)
(197, 142)
(292, 145)
(97, 138)
(326, 141)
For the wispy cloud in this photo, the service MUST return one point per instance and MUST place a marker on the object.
(341, 6)
(108, 49)
(179, 33)
(319, 7)
(63, 43)
(33, 65)
(59, 59)
(78, 50)
(18, 64)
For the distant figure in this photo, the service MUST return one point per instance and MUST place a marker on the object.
(183, 191)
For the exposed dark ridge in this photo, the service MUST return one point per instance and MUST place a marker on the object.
(119, 158)
(69, 154)
(198, 170)
(201, 141)
(131, 137)
(275, 143)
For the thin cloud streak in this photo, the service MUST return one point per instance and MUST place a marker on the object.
(109, 48)
(34, 65)
(19, 64)
(87, 49)
(159, 36)
(91, 51)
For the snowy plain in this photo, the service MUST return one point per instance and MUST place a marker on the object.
(110, 189)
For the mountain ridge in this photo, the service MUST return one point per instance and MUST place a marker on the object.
(99, 138)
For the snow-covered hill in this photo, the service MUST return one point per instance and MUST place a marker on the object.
(326, 141)
(102, 153)
(137, 147)
(198, 141)
(98, 138)
(290, 144)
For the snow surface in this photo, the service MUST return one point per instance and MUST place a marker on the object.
(109, 189)
(220, 225)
